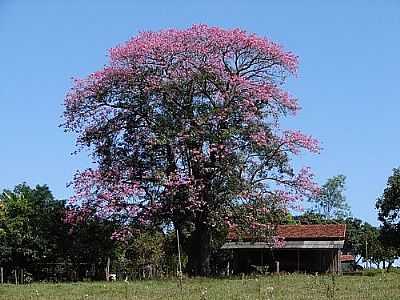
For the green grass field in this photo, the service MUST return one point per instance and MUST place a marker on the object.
(379, 286)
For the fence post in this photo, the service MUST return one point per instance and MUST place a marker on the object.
(108, 269)
(179, 260)
(2, 275)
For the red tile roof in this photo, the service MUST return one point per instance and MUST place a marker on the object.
(305, 232)
(323, 231)
(347, 258)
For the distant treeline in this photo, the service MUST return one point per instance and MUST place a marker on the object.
(36, 244)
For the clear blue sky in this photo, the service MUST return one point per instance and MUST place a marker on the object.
(348, 84)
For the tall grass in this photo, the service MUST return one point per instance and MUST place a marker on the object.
(295, 286)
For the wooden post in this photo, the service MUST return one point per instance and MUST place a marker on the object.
(179, 261)
(16, 277)
(277, 267)
(366, 253)
(1, 275)
(108, 269)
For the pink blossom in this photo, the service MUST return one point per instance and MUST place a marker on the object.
(295, 140)
(185, 123)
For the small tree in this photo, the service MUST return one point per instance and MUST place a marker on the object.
(184, 126)
(368, 243)
(331, 201)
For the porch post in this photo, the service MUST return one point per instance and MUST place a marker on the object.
(331, 261)
(339, 261)
(298, 260)
(320, 261)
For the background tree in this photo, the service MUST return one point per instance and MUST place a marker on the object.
(147, 253)
(183, 126)
(331, 201)
(367, 243)
(387, 253)
(34, 235)
(381, 254)
(356, 238)
(31, 220)
(311, 217)
(87, 246)
(388, 206)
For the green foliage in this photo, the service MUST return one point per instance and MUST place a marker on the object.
(388, 206)
(30, 219)
(356, 236)
(310, 217)
(146, 253)
(89, 243)
(33, 233)
(331, 202)
(367, 242)
(389, 203)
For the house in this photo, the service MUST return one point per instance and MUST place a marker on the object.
(306, 248)
(348, 263)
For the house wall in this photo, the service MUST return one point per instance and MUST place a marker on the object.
(290, 260)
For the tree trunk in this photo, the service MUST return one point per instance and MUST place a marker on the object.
(200, 251)
(390, 263)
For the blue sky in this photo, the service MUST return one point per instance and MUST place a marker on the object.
(348, 84)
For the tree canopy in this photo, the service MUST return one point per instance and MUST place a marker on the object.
(331, 201)
(388, 206)
(184, 125)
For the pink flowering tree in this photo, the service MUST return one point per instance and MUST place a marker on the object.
(184, 128)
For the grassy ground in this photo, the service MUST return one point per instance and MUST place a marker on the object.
(380, 286)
